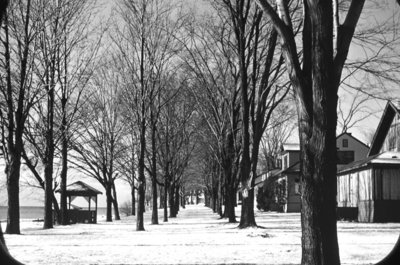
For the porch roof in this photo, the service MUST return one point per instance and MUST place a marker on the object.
(382, 158)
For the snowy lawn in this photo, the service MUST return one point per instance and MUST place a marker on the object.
(197, 236)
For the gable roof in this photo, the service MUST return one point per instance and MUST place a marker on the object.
(80, 188)
(383, 128)
(354, 138)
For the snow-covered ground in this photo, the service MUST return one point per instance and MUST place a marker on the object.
(197, 236)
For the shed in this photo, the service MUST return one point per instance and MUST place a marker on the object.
(79, 214)
(368, 190)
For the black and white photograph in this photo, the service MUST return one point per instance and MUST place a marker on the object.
(199, 132)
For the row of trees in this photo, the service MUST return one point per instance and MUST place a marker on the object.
(107, 102)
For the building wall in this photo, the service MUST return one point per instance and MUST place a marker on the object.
(370, 195)
(354, 195)
(290, 158)
(360, 150)
(293, 196)
(349, 186)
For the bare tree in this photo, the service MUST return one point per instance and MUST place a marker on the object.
(146, 48)
(3, 248)
(261, 90)
(75, 67)
(175, 138)
(19, 94)
(127, 165)
(98, 145)
(214, 76)
(356, 110)
(316, 83)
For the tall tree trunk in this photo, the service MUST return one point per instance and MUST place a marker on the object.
(318, 212)
(109, 202)
(64, 169)
(13, 177)
(48, 195)
(247, 214)
(165, 199)
(161, 197)
(177, 199)
(214, 198)
(115, 203)
(183, 199)
(48, 160)
(142, 179)
(219, 195)
(171, 195)
(133, 200)
(154, 213)
(230, 196)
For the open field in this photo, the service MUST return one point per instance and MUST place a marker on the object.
(197, 236)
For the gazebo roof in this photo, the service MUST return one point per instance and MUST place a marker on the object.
(80, 188)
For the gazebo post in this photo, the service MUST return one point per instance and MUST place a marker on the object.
(90, 198)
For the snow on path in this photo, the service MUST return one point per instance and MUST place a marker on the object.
(197, 236)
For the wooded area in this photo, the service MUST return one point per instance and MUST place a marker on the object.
(178, 101)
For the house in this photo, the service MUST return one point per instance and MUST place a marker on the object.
(369, 189)
(285, 189)
(349, 149)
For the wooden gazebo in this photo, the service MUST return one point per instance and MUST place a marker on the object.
(77, 214)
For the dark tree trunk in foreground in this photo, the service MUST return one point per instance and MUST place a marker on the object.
(6, 258)
(316, 82)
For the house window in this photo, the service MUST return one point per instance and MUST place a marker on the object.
(345, 157)
(345, 143)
